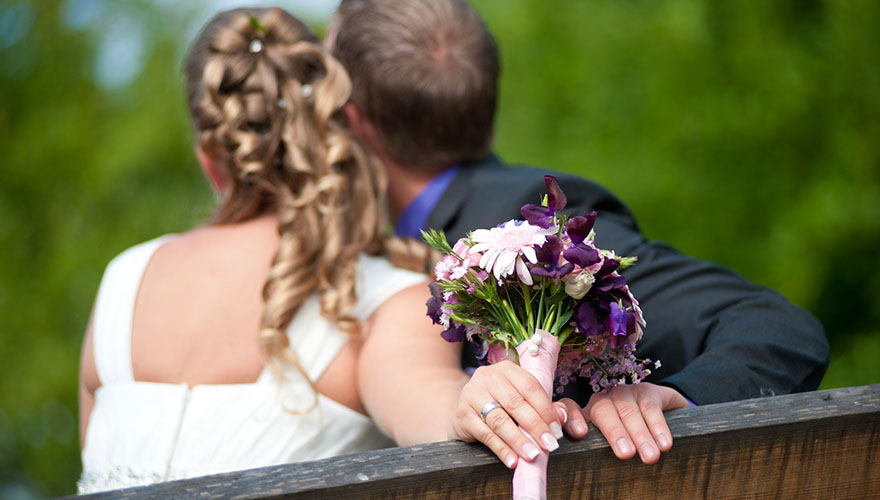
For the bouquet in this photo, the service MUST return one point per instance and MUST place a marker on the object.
(539, 287)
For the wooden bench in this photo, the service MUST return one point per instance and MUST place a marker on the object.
(822, 444)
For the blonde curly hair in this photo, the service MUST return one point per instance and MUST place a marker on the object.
(262, 94)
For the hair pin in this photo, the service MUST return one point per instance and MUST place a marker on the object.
(256, 46)
(307, 90)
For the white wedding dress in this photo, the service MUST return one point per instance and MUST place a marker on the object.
(145, 432)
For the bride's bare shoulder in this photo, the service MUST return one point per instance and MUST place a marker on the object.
(232, 245)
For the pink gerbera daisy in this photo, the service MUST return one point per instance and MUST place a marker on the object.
(504, 246)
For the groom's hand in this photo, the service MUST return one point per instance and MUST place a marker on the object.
(631, 419)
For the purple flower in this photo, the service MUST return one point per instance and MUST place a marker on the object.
(590, 319)
(455, 333)
(481, 348)
(609, 265)
(621, 324)
(435, 302)
(610, 282)
(606, 277)
(619, 320)
(539, 215)
(578, 228)
(548, 260)
(582, 255)
(548, 253)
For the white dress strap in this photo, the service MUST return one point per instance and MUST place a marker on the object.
(316, 341)
(114, 310)
(378, 280)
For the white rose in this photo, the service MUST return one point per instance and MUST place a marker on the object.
(577, 285)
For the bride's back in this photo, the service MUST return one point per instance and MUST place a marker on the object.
(197, 313)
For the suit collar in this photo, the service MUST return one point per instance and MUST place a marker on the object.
(448, 206)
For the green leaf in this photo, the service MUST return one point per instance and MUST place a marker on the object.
(437, 239)
(256, 24)
(556, 297)
(563, 319)
(462, 320)
(626, 262)
(563, 337)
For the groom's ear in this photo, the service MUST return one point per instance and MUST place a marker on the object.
(360, 126)
(330, 38)
(212, 169)
(352, 118)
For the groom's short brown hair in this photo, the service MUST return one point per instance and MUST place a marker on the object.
(424, 74)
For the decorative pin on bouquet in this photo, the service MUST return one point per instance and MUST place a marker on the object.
(542, 287)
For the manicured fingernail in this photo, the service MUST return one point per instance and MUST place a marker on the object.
(648, 450)
(578, 428)
(557, 429)
(664, 440)
(531, 451)
(510, 461)
(623, 446)
(549, 441)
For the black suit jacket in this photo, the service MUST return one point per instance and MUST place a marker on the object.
(719, 337)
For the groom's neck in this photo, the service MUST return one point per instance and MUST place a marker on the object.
(405, 182)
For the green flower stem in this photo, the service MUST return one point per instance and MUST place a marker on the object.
(551, 317)
(541, 305)
(510, 304)
(463, 321)
(599, 366)
(527, 295)
(514, 322)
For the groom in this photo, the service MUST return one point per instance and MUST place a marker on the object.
(425, 80)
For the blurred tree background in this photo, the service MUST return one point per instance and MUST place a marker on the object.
(743, 132)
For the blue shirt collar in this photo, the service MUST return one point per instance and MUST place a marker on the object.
(415, 217)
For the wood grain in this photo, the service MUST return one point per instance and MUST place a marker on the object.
(810, 445)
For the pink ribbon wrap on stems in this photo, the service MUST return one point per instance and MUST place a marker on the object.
(530, 478)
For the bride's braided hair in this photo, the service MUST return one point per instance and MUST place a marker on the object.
(262, 94)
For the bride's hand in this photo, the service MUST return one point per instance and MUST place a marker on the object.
(521, 400)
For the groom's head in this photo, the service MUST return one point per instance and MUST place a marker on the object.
(424, 77)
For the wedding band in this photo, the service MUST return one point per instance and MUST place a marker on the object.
(491, 405)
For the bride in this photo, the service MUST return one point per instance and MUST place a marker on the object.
(236, 344)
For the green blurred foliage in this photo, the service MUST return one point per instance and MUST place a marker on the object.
(743, 132)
